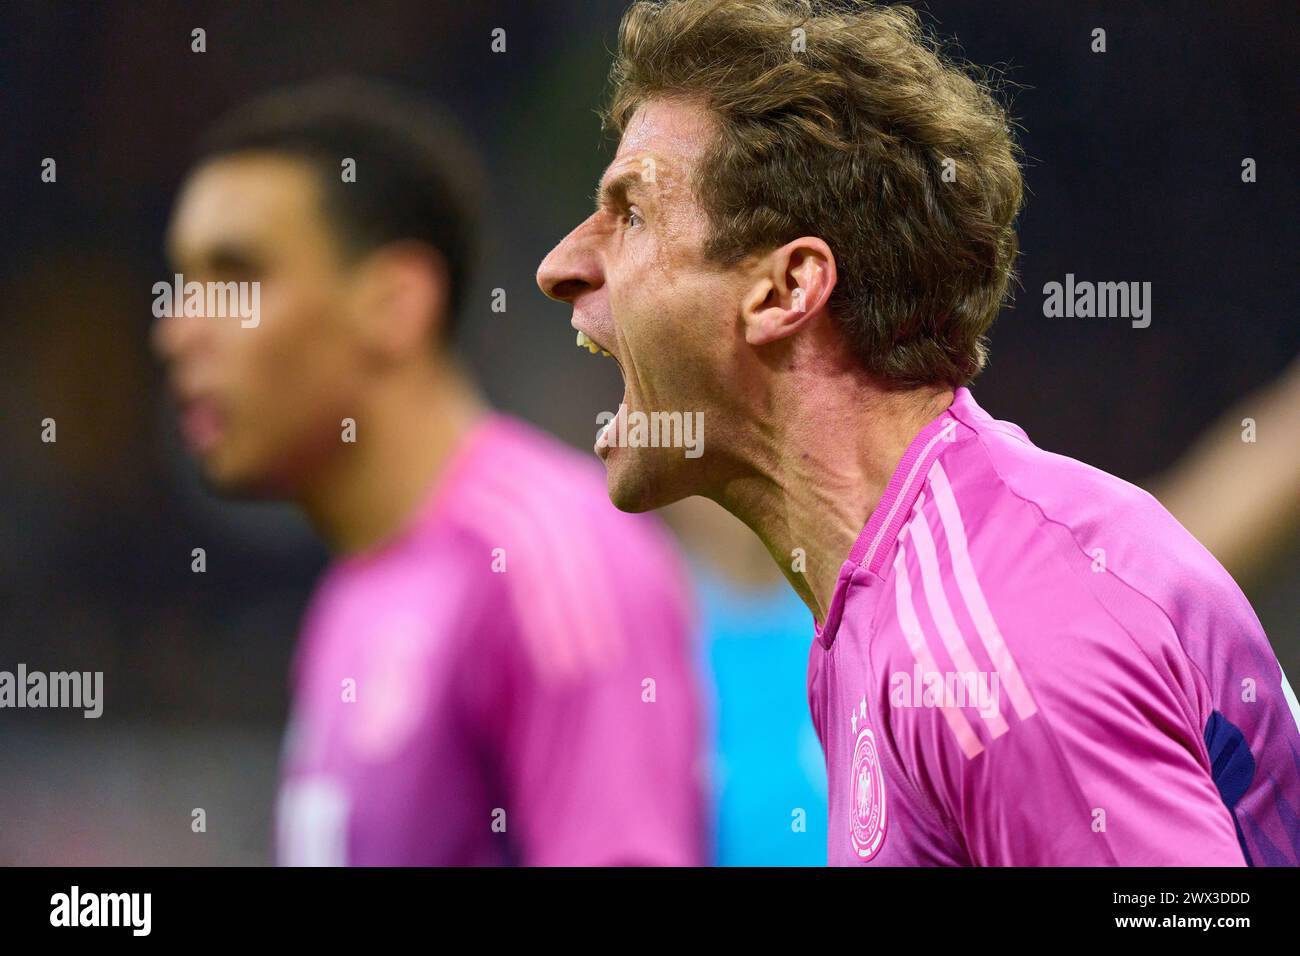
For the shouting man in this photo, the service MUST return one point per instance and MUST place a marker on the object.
(804, 236)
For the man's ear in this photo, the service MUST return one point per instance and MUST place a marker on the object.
(400, 299)
(792, 284)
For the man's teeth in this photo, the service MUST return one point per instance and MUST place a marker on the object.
(589, 345)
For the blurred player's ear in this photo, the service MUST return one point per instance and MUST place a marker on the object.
(791, 285)
(401, 300)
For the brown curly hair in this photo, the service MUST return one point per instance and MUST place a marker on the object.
(845, 132)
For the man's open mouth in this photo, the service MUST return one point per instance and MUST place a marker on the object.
(585, 342)
(607, 419)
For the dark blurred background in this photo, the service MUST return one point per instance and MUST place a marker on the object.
(1133, 168)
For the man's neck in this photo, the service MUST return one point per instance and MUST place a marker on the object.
(815, 475)
(405, 436)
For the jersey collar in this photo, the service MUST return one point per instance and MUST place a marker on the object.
(876, 541)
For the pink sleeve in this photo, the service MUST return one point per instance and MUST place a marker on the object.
(1108, 770)
(600, 736)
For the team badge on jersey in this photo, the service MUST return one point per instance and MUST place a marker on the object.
(866, 790)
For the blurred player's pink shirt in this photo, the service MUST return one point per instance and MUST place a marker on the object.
(1132, 711)
(500, 651)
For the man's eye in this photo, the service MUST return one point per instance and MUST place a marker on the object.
(634, 218)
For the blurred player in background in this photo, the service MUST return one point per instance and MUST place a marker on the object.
(1018, 659)
(495, 669)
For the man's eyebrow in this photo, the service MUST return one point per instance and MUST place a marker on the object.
(613, 194)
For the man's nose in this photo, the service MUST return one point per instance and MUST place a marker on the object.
(569, 269)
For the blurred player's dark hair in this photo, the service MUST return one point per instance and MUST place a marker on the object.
(417, 177)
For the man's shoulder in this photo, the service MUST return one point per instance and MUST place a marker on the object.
(1084, 572)
(1096, 524)
(578, 577)
(527, 483)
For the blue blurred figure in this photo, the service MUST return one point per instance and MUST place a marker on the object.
(769, 778)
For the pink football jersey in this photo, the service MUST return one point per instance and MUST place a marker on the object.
(1029, 662)
(508, 681)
